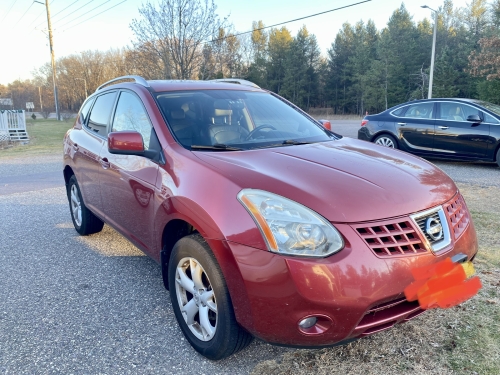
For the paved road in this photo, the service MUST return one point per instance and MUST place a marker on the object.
(88, 305)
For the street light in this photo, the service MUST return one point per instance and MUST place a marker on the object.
(85, 83)
(429, 96)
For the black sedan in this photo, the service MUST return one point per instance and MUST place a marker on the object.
(460, 129)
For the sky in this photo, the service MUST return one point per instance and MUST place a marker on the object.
(24, 43)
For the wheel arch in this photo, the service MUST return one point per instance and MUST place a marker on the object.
(173, 231)
(67, 172)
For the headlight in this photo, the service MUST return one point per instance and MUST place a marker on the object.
(289, 227)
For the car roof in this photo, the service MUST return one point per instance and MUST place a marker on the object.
(440, 99)
(176, 85)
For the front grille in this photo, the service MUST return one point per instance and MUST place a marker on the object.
(457, 213)
(391, 237)
(421, 222)
(436, 219)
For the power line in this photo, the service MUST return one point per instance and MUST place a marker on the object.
(59, 12)
(296, 19)
(96, 15)
(37, 17)
(24, 14)
(84, 5)
(11, 5)
(83, 15)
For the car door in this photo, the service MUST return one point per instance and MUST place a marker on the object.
(87, 145)
(455, 136)
(128, 181)
(415, 127)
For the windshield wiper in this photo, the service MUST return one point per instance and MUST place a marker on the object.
(294, 142)
(216, 147)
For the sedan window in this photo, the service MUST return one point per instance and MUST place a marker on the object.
(456, 111)
(420, 110)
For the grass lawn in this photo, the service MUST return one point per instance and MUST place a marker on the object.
(46, 137)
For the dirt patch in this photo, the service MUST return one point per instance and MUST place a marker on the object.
(462, 340)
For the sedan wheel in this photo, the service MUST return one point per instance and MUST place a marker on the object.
(201, 300)
(386, 141)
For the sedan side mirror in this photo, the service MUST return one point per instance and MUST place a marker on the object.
(125, 143)
(474, 118)
(326, 124)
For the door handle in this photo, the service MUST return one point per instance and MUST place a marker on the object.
(402, 123)
(444, 127)
(104, 162)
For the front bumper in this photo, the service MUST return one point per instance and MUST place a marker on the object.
(353, 293)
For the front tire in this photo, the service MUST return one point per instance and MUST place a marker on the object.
(201, 300)
(386, 140)
(84, 220)
(498, 157)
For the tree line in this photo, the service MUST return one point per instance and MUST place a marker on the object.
(364, 70)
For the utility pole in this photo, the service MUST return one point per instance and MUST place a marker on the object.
(53, 60)
(433, 53)
(41, 103)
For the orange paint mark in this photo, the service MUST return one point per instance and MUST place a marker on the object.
(444, 284)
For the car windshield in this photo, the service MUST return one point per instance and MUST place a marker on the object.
(230, 120)
(490, 107)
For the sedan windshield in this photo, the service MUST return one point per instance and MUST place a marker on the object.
(229, 120)
(490, 106)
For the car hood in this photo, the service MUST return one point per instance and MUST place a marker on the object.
(346, 180)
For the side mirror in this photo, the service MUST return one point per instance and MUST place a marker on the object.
(125, 143)
(474, 118)
(326, 124)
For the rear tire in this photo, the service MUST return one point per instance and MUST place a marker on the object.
(498, 157)
(201, 300)
(386, 140)
(84, 220)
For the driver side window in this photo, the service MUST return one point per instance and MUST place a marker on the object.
(131, 115)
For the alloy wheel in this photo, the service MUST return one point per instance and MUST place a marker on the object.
(385, 141)
(76, 205)
(196, 298)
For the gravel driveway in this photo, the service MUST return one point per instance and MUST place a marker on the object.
(96, 304)
(85, 305)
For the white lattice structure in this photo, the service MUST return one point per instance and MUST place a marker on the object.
(13, 126)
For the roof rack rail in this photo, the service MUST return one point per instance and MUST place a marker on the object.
(237, 81)
(137, 79)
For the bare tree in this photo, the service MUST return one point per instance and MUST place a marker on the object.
(176, 32)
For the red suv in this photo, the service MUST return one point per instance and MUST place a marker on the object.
(264, 223)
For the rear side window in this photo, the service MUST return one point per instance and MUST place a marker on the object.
(131, 115)
(101, 111)
(398, 112)
(420, 110)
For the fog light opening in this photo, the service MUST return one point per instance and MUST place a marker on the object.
(314, 325)
(308, 322)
